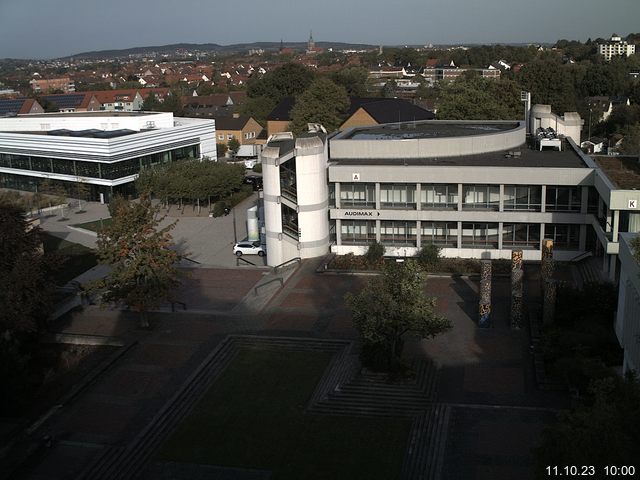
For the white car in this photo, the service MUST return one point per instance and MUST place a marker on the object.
(248, 248)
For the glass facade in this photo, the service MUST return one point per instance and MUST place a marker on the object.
(398, 233)
(479, 235)
(564, 236)
(521, 235)
(483, 197)
(358, 232)
(88, 170)
(357, 195)
(522, 197)
(442, 234)
(563, 199)
(398, 196)
(433, 196)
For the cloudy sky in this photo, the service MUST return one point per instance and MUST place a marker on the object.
(55, 28)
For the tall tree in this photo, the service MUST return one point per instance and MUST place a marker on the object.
(287, 80)
(392, 305)
(472, 97)
(323, 102)
(550, 83)
(142, 258)
(353, 79)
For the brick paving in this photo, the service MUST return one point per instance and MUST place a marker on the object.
(476, 367)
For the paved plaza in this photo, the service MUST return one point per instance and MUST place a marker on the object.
(483, 376)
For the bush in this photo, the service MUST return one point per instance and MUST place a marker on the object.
(349, 262)
(244, 192)
(429, 255)
(375, 254)
(257, 168)
(218, 208)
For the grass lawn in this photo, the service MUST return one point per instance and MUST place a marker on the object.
(252, 417)
(94, 226)
(77, 258)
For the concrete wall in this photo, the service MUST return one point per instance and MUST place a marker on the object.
(569, 125)
(430, 147)
(627, 321)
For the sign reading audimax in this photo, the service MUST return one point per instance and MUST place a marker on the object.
(360, 213)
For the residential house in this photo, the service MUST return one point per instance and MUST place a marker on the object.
(19, 106)
(241, 128)
(74, 102)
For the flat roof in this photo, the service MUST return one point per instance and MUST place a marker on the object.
(528, 157)
(427, 129)
(101, 113)
(624, 172)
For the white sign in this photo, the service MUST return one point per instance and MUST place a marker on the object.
(633, 204)
(355, 177)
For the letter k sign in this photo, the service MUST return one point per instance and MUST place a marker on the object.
(633, 204)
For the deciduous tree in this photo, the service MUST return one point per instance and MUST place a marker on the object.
(323, 102)
(142, 258)
(392, 305)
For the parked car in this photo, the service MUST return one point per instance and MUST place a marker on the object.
(248, 248)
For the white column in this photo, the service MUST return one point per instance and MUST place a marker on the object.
(616, 224)
(543, 205)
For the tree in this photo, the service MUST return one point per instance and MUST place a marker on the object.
(221, 148)
(550, 83)
(287, 80)
(375, 254)
(323, 102)
(603, 431)
(353, 79)
(82, 192)
(233, 145)
(390, 306)
(142, 258)
(390, 89)
(429, 255)
(258, 108)
(472, 97)
(631, 141)
(151, 103)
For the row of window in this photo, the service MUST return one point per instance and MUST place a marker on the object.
(109, 171)
(445, 234)
(446, 196)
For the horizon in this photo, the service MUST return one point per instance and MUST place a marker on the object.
(80, 26)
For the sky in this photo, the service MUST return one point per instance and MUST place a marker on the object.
(42, 29)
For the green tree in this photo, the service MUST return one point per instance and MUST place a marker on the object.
(429, 255)
(631, 140)
(287, 80)
(472, 97)
(142, 258)
(323, 102)
(392, 305)
(221, 149)
(550, 83)
(233, 145)
(151, 103)
(353, 79)
(390, 89)
(258, 108)
(375, 254)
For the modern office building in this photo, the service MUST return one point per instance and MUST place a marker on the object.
(105, 150)
(477, 189)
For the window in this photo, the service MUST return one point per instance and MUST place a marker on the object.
(357, 232)
(442, 234)
(485, 197)
(521, 235)
(522, 197)
(42, 164)
(439, 196)
(479, 235)
(563, 199)
(66, 167)
(398, 196)
(357, 195)
(398, 233)
(565, 237)
(229, 137)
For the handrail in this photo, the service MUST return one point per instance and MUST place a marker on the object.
(238, 259)
(278, 279)
(581, 256)
(284, 264)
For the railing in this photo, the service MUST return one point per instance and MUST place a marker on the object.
(255, 289)
(279, 268)
(242, 259)
(580, 257)
(292, 231)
